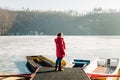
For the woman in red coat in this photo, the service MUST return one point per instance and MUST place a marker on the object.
(60, 51)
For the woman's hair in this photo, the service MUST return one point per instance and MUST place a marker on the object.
(60, 34)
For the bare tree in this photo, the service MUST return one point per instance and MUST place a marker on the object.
(6, 20)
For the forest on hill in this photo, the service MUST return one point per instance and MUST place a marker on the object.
(26, 22)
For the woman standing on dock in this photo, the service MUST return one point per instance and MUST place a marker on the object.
(60, 51)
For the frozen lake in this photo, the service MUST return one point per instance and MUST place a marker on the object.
(14, 49)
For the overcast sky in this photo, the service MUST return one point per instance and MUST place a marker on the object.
(81, 5)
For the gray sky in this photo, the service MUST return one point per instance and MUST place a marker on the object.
(81, 5)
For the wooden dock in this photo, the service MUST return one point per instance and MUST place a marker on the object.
(48, 73)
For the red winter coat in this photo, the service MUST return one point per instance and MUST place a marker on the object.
(60, 47)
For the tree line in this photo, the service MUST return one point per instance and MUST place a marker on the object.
(26, 22)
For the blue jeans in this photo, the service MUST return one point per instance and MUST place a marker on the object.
(58, 62)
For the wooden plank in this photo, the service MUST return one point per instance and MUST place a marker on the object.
(100, 69)
(48, 73)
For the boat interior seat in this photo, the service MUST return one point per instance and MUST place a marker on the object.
(114, 62)
(102, 62)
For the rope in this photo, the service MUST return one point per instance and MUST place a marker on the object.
(33, 74)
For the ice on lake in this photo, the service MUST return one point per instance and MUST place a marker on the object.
(14, 49)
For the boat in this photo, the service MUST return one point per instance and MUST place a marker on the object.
(39, 61)
(103, 69)
(80, 63)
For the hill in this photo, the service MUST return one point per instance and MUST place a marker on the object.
(50, 22)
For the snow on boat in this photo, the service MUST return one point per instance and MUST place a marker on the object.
(103, 69)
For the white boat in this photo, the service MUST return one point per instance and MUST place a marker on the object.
(103, 69)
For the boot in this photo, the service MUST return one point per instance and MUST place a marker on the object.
(60, 69)
(56, 69)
